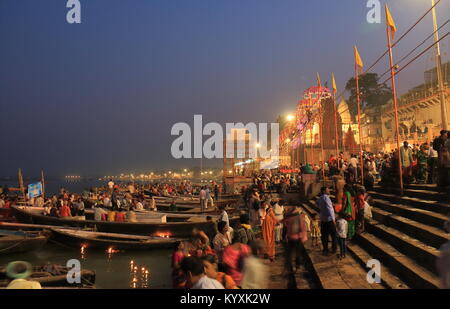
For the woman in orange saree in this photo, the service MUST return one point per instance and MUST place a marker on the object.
(268, 231)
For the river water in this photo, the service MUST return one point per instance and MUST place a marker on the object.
(120, 270)
(113, 270)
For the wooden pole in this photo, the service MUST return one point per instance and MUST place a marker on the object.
(312, 133)
(21, 186)
(439, 75)
(43, 184)
(305, 157)
(336, 129)
(359, 126)
(394, 94)
(321, 139)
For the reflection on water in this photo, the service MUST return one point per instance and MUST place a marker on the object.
(139, 276)
(114, 269)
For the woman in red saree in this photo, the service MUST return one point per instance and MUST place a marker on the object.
(268, 231)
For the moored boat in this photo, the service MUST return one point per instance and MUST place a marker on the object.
(21, 241)
(181, 228)
(111, 241)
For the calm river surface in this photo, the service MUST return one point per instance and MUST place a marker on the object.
(113, 271)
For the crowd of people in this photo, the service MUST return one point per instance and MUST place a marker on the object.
(238, 255)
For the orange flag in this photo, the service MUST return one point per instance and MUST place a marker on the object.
(358, 60)
(390, 22)
(333, 83)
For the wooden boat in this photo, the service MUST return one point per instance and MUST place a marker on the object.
(177, 228)
(189, 202)
(164, 205)
(6, 214)
(111, 241)
(53, 276)
(20, 241)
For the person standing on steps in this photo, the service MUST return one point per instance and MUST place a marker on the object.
(327, 221)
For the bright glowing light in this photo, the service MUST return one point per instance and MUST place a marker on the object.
(258, 145)
(290, 117)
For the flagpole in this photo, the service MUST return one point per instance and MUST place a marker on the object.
(394, 94)
(336, 129)
(43, 184)
(312, 132)
(359, 126)
(22, 188)
(321, 140)
(304, 148)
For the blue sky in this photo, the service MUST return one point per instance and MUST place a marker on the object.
(101, 96)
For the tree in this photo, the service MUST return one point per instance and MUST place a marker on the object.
(371, 93)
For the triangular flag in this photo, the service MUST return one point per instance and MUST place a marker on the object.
(358, 60)
(333, 83)
(390, 22)
(318, 80)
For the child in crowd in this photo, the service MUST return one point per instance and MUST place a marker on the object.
(315, 230)
(341, 231)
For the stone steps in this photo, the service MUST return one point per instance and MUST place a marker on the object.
(438, 207)
(404, 240)
(419, 252)
(399, 264)
(357, 257)
(432, 195)
(362, 256)
(432, 236)
(420, 215)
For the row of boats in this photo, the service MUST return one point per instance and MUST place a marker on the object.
(152, 230)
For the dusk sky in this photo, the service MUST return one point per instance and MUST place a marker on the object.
(100, 97)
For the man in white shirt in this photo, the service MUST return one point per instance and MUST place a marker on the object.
(111, 185)
(202, 197)
(354, 161)
(209, 198)
(195, 272)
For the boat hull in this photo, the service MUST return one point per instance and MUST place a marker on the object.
(174, 229)
(78, 241)
(18, 244)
